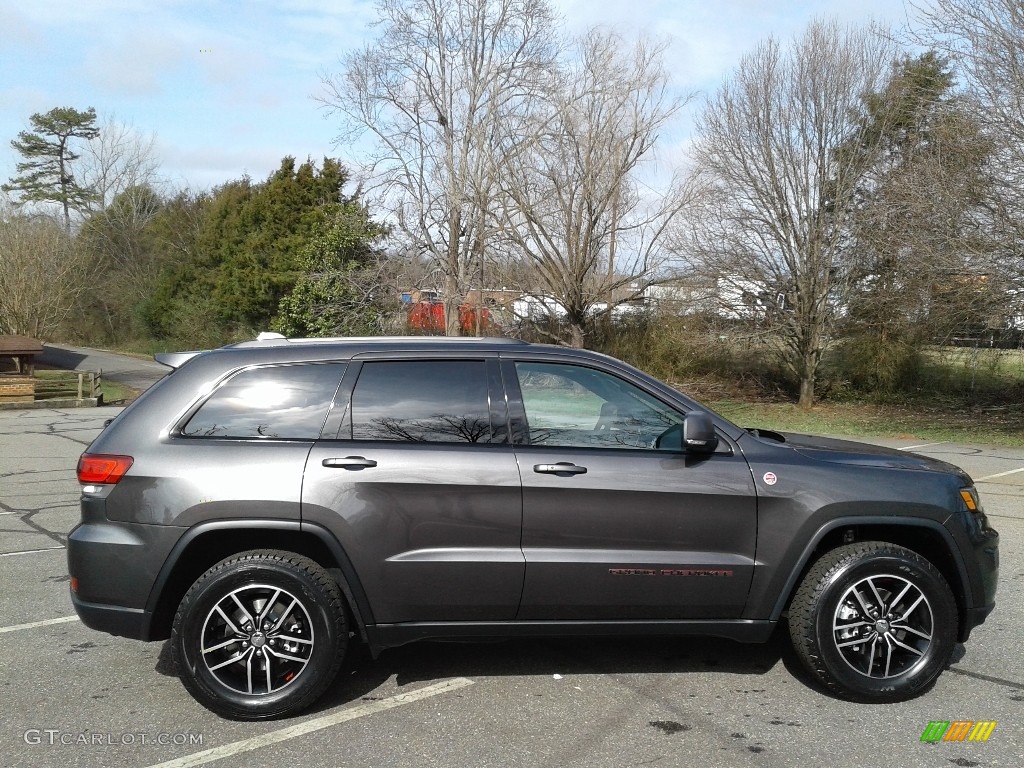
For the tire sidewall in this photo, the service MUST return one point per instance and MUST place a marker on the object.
(210, 691)
(925, 670)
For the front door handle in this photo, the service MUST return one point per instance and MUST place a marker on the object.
(349, 462)
(561, 468)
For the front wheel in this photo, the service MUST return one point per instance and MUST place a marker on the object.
(260, 635)
(875, 622)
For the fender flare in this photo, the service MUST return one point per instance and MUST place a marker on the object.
(350, 586)
(881, 520)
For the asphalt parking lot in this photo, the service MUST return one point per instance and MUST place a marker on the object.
(72, 696)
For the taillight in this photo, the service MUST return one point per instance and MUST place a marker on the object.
(102, 468)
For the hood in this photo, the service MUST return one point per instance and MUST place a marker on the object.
(864, 454)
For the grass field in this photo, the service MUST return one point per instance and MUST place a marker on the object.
(986, 426)
(1006, 361)
(969, 370)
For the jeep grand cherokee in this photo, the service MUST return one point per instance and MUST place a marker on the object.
(268, 503)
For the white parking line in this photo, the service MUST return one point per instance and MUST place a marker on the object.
(316, 724)
(34, 624)
(998, 474)
(29, 551)
(923, 445)
(8, 513)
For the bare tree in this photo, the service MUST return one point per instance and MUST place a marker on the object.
(131, 243)
(918, 224)
(41, 273)
(433, 90)
(121, 244)
(985, 39)
(580, 225)
(118, 159)
(121, 169)
(774, 184)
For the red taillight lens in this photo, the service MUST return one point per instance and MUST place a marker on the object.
(102, 468)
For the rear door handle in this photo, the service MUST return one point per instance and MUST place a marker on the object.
(349, 462)
(561, 468)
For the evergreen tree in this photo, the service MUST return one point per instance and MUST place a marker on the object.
(336, 295)
(249, 251)
(46, 174)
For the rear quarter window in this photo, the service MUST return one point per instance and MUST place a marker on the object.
(287, 402)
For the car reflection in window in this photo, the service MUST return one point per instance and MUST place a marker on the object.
(436, 401)
(436, 429)
(576, 406)
(283, 402)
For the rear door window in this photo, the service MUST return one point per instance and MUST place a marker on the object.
(438, 401)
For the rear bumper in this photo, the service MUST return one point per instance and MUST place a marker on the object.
(115, 566)
(113, 619)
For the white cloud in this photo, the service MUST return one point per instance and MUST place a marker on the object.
(18, 99)
(18, 31)
(202, 167)
(135, 62)
(237, 71)
(208, 166)
(79, 13)
(707, 39)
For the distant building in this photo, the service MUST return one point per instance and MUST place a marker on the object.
(740, 298)
(415, 296)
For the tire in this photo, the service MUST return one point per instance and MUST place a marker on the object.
(274, 667)
(891, 657)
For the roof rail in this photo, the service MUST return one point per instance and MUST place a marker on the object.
(276, 339)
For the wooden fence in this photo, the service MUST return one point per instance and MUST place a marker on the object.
(69, 384)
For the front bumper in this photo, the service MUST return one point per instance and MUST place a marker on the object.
(981, 554)
(973, 618)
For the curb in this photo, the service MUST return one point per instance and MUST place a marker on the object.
(66, 402)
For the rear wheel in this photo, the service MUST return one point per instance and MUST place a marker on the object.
(260, 635)
(875, 622)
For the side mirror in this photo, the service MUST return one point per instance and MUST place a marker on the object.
(695, 435)
(699, 433)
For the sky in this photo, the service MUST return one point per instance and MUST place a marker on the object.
(228, 88)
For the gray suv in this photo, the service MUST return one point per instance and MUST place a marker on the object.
(269, 503)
